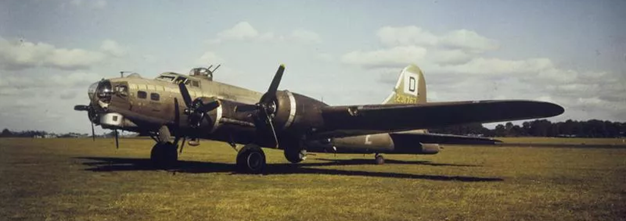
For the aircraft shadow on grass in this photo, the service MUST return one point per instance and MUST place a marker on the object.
(111, 164)
(388, 161)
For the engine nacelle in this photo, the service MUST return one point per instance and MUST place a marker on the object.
(297, 112)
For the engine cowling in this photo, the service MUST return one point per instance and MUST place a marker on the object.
(298, 113)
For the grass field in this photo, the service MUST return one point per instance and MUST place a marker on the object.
(66, 179)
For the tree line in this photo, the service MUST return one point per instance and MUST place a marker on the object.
(37, 133)
(541, 128)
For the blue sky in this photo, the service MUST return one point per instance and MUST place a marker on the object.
(347, 52)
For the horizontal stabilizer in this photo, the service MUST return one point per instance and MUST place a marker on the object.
(442, 138)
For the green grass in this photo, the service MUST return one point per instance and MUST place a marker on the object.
(61, 179)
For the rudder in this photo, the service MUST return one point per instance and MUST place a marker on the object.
(410, 88)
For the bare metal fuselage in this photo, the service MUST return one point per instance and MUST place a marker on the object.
(145, 104)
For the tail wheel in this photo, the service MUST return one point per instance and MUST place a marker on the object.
(251, 159)
(379, 159)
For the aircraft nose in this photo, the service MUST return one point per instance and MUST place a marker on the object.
(92, 90)
(100, 93)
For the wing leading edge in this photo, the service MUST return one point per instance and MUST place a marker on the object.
(365, 119)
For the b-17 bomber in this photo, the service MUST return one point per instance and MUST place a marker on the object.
(175, 109)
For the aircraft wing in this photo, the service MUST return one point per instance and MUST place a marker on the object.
(340, 121)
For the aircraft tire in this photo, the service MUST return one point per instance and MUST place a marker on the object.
(379, 159)
(294, 155)
(164, 155)
(251, 159)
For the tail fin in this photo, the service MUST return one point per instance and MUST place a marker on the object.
(410, 88)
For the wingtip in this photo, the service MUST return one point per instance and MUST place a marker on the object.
(554, 109)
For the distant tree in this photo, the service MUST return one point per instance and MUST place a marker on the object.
(6, 133)
(500, 131)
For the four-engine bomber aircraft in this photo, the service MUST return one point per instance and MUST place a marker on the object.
(194, 106)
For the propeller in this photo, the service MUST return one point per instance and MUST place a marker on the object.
(196, 109)
(91, 116)
(264, 109)
(177, 122)
(266, 104)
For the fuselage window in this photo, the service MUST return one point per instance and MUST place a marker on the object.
(195, 84)
(142, 94)
(154, 96)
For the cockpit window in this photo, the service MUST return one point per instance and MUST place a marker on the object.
(121, 88)
(168, 78)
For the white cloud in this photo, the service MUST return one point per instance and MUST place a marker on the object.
(468, 40)
(305, 36)
(449, 57)
(241, 31)
(209, 58)
(458, 39)
(244, 31)
(408, 35)
(97, 4)
(455, 63)
(21, 54)
(100, 3)
(385, 58)
(59, 81)
(113, 48)
(452, 48)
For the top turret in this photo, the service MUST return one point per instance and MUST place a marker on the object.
(205, 73)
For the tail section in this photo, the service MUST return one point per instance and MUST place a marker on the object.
(410, 88)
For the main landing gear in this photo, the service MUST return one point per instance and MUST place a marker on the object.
(164, 153)
(251, 159)
(294, 155)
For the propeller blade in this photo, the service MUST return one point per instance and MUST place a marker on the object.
(81, 108)
(176, 113)
(117, 144)
(185, 93)
(269, 120)
(93, 132)
(209, 106)
(275, 82)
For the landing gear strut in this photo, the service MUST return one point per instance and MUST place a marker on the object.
(251, 159)
(379, 159)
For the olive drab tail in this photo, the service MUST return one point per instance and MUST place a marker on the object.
(410, 88)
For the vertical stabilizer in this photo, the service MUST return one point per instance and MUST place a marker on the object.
(410, 88)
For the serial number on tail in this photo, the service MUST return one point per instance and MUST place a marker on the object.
(404, 99)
